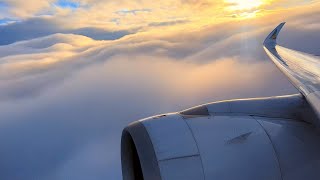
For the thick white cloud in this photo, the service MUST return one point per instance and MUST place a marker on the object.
(65, 98)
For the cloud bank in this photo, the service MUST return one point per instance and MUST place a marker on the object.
(29, 29)
(65, 98)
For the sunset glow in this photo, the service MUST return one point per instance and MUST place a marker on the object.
(74, 73)
(244, 4)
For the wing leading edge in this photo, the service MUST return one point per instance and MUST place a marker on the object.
(303, 70)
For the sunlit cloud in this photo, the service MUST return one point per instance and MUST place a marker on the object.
(244, 4)
(74, 73)
(126, 15)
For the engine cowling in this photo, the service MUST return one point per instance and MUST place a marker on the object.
(240, 139)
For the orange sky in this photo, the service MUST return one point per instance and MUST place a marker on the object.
(124, 14)
(69, 83)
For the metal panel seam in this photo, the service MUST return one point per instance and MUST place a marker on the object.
(274, 149)
(204, 175)
(195, 155)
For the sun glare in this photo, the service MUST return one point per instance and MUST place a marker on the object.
(244, 4)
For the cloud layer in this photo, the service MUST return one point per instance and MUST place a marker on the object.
(29, 29)
(65, 98)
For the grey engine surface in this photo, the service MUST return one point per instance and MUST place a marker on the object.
(274, 138)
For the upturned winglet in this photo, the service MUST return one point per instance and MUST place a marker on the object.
(271, 40)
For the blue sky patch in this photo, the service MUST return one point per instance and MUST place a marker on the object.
(67, 4)
(2, 5)
(6, 21)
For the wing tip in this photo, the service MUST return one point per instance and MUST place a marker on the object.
(271, 40)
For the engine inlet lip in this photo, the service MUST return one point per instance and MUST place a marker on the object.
(138, 134)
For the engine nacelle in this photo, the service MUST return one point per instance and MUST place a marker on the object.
(242, 139)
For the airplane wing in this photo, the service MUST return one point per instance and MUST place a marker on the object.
(302, 69)
(272, 138)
